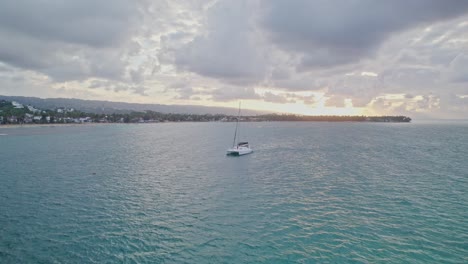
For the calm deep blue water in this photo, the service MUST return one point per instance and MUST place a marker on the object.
(166, 193)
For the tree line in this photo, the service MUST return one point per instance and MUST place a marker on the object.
(12, 115)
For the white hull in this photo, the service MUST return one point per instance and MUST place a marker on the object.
(238, 151)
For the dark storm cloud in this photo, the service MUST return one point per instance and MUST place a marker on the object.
(336, 32)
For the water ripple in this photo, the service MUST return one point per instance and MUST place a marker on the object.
(165, 193)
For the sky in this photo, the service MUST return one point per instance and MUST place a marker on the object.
(313, 57)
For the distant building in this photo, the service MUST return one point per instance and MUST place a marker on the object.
(17, 105)
(32, 109)
(84, 119)
(12, 119)
(28, 118)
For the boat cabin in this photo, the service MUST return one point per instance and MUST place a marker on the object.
(243, 144)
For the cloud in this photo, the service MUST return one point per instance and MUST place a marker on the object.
(215, 51)
(183, 89)
(361, 88)
(230, 93)
(117, 86)
(371, 74)
(276, 98)
(299, 82)
(228, 47)
(336, 101)
(332, 33)
(418, 62)
(457, 71)
(311, 35)
(86, 22)
(455, 104)
(281, 73)
(295, 97)
(68, 40)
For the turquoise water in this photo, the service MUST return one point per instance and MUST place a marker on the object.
(166, 193)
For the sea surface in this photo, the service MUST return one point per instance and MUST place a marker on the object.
(166, 193)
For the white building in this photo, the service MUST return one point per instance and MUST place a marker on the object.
(17, 105)
(32, 109)
(84, 119)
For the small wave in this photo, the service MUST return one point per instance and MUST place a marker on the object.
(3, 134)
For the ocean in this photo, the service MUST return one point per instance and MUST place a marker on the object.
(311, 192)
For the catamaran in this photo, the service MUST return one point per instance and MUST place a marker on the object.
(239, 148)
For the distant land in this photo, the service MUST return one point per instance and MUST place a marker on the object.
(23, 112)
(108, 107)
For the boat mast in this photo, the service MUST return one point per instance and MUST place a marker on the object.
(237, 124)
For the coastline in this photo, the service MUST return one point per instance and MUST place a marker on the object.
(49, 125)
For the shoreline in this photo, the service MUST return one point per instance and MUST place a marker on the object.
(12, 126)
(48, 125)
(172, 122)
